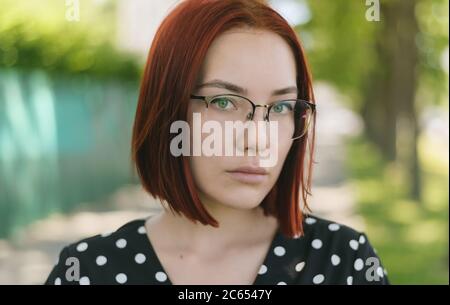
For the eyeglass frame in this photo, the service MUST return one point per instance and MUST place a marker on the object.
(208, 99)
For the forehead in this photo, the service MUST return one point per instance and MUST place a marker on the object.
(252, 58)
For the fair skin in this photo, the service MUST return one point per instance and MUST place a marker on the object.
(191, 253)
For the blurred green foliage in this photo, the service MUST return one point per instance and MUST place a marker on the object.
(341, 48)
(339, 42)
(432, 42)
(411, 239)
(36, 34)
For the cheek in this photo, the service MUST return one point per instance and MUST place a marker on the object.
(205, 172)
(283, 149)
(198, 166)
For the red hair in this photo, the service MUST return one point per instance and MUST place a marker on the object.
(173, 65)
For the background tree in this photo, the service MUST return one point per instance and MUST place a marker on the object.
(390, 69)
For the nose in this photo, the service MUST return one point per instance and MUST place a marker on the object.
(255, 134)
(264, 113)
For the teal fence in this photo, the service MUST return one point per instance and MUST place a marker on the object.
(64, 140)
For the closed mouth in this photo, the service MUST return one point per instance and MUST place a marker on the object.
(249, 170)
(249, 175)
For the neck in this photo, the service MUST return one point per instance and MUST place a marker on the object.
(236, 227)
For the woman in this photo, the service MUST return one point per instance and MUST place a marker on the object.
(227, 219)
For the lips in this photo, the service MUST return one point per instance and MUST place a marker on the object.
(248, 174)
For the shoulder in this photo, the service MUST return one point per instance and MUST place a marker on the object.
(317, 226)
(342, 252)
(326, 237)
(118, 239)
(78, 259)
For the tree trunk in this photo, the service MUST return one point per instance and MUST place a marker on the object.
(389, 109)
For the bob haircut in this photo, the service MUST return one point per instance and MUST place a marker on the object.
(172, 69)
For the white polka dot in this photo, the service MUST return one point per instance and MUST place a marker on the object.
(82, 247)
(106, 234)
(279, 251)
(57, 281)
(354, 244)
(380, 272)
(101, 260)
(350, 280)
(316, 244)
(319, 278)
(359, 264)
(362, 239)
(140, 258)
(121, 243)
(160, 276)
(142, 230)
(262, 269)
(121, 278)
(281, 283)
(299, 267)
(335, 260)
(310, 220)
(85, 281)
(333, 227)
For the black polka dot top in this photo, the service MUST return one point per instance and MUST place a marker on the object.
(328, 253)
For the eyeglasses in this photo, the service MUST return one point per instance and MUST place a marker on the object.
(294, 116)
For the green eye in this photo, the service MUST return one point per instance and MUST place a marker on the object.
(281, 108)
(222, 103)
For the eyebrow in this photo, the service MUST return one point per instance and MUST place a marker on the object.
(217, 83)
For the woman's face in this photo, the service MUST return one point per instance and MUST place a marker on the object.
(259, 62)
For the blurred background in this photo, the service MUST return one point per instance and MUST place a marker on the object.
(69, 79)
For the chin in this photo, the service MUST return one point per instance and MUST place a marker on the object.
(242, 197)
(243, 202)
